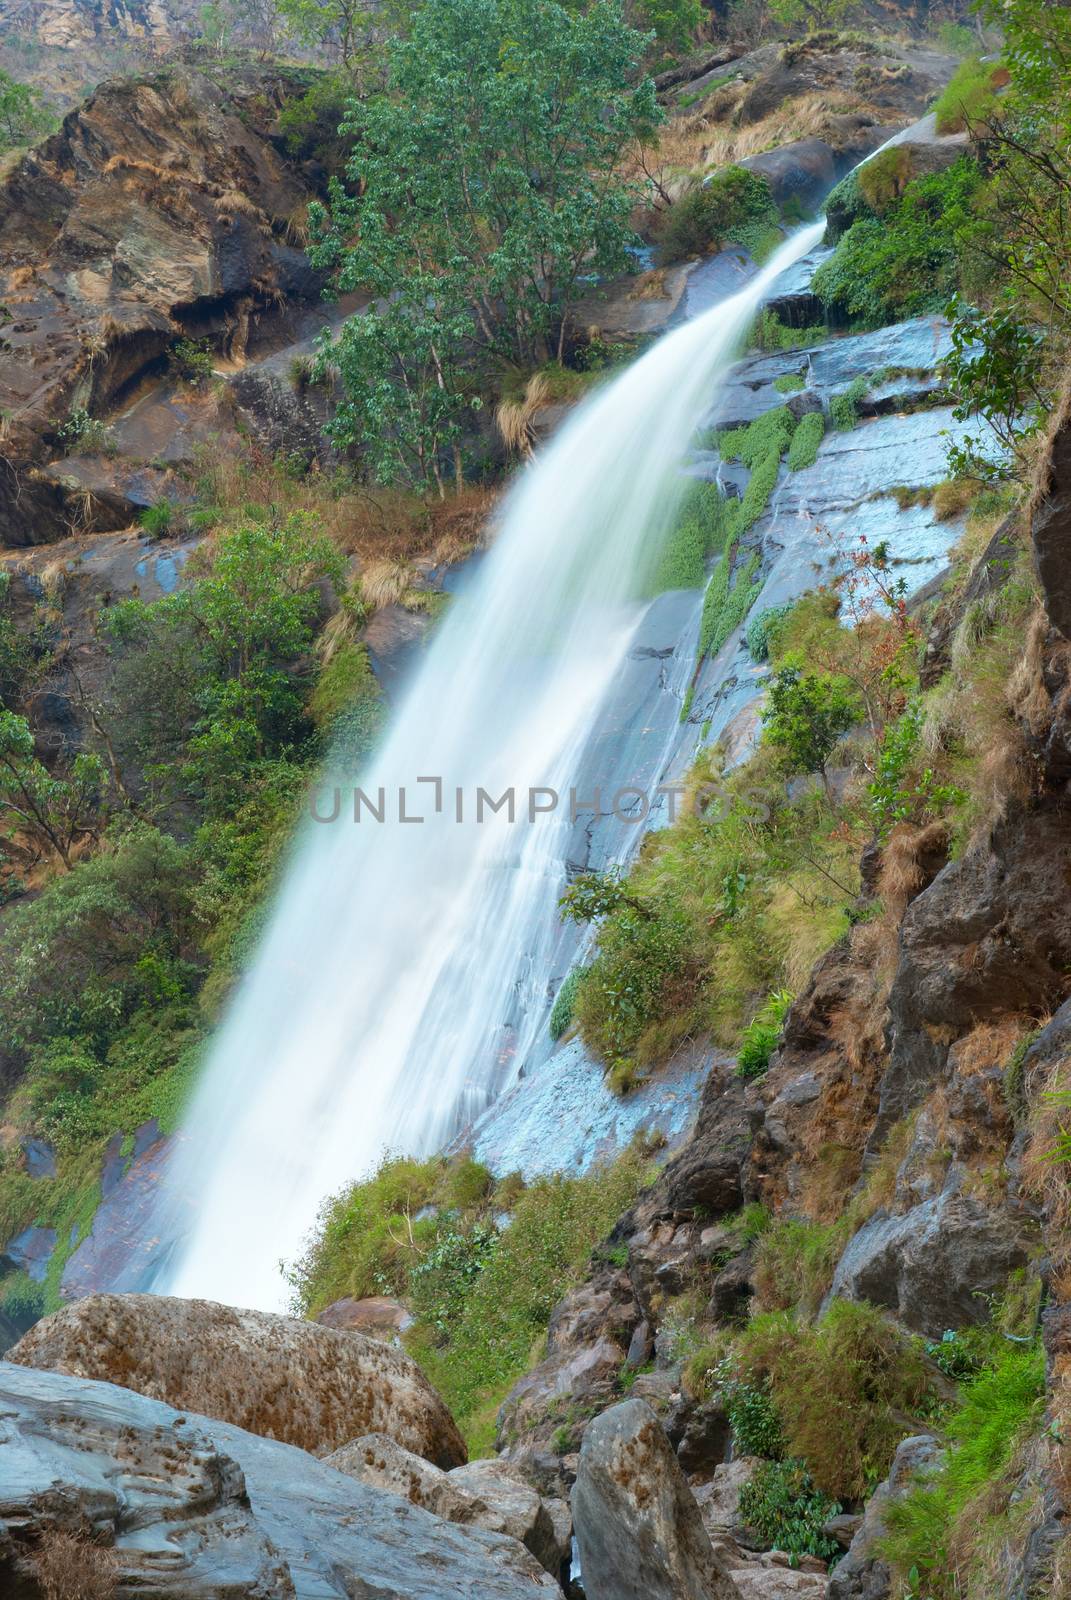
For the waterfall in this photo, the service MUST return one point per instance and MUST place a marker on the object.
(404, 976)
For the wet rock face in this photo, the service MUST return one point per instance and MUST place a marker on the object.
(310, 1386)
(639, 1530)
(198, 1510)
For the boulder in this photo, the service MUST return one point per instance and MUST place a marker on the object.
(290, 1380)
(639, 1530)
(378, 1316)
(485, 1494)
(934, 1265)
(194, 1509)
(862, 1574)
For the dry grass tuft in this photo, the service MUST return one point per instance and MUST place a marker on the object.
(233, 203)
(908, 860)
(71, 1568)
(953, 497)
(701, 140)
(515, 419)
(385, 582)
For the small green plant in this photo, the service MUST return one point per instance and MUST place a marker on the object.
(790, 383)
(191, 360)
(561, 1015)
(734, 206)
(844, 408)
(803, 451)
(85, 434)
(760, 628)
(753, 1418)
(899, 792)
(805, 716)
(762, 1034)
(156, 520)
(782, 1505)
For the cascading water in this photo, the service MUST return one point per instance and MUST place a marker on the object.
(404, 976)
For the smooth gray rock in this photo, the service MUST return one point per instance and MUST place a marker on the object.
(639, 1529)
(862, 1575)
(200, 1510)
(933, 1265)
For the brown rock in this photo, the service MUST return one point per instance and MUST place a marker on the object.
(275, 1376)
(378, 1316)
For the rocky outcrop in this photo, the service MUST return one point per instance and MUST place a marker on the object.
(169, 1503)
(486, 1494)
(639, 1530)
(310, 1386)
(1051, 525)
(934, 1265)
(161, 210)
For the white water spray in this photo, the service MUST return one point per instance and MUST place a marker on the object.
(404, 976)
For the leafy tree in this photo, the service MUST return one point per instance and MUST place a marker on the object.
(483, 188)
(351, 29)
(202, 692)
(599, 894)
(22, 116)
(674, 23)
(80, 957)
(805, 715)
(45, 813)
(811, 14)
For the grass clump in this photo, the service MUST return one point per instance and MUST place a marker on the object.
(770, 333)
(762, 1034)
(761, 626)
(971, 94)
(845, 1388)
(697, 534)
(794, 1263)
(844, 408)
(950, 1527)
(803, 451)
(734, 206)
(790, 383)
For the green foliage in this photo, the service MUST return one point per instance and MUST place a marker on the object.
(673, 22)
(970, 96)
(974, 1487)
(794, 1263)
(761, 626)
(803, 451)
(725, 608)
(310, 123)
(995, 370)
(790, 383)
(202, 691)
(844, 1387)
(770, 434)
(46, 814)
(782, 1505)
(484, 189)
(561, 1014)
(481, 1297)
(811, 14)
(642, 970)
(115, 933)
(907, 262)
(805, 716)
(156, 519)
(756, 1426)
(735, 206)
(191, 359)
(85, 434)
(761, 1036)
(844, 408)
(347, 707)
(22, 116)
(770, 333)
(697, 533)
(903, 789)
(15, 655)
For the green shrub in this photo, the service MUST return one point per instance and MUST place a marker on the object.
(192, 359)
(908, 262)
(803, 451)
(733, 207)
(844, 408)
(770, 434)
(760, 627)
(845, 1388)
(782, 1505)
(761, 1036)
(970, 95)
(770, 333)
(561, 1014)
(790, 383)
(794, 1263)
(696, 534)
(805, 716)
(753, 1418)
